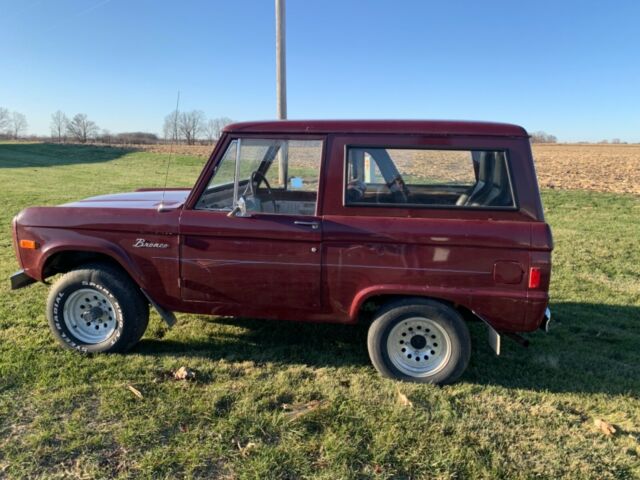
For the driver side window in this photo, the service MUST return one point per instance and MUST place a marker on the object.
(275, 176)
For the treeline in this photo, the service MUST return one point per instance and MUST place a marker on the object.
(189, 127)
(543, 137)
(179, 127)
(614, 141)
(77, 129)
(82, 130)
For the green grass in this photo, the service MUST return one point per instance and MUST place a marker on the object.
(526, 414)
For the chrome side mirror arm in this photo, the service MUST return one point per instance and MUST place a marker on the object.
(239, 209)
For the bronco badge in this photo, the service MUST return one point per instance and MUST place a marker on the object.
(143, 243)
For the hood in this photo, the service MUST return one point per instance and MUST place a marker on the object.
(141, 199)
(133, 212)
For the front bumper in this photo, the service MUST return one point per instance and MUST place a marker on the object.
(20, 280)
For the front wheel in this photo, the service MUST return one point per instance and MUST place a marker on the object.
(419, 340)
(97, 309)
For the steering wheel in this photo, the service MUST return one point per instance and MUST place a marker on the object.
(256, 178)
(398, 189)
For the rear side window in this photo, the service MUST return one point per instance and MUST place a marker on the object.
(428, 178)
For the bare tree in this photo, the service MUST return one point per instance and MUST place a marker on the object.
(4, 120)
(170, 127)
(18, 124)
(59, 123)
(81, 128)
(105, 136)
(210, 131)
(191, 125)
(214, 128)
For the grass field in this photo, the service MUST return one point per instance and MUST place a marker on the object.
(288, 400)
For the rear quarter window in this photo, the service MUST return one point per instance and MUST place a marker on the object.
(411, 177)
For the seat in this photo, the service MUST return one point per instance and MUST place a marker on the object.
(496, 191)
(500, 194)
(483, 184)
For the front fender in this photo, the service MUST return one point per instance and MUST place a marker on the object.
(54, 241)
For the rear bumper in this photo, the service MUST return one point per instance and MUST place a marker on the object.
(20, 280)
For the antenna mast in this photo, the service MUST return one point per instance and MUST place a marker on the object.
(174, 139)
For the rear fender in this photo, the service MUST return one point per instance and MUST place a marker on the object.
(454, 296)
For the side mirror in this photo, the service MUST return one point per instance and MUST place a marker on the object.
(239, 209)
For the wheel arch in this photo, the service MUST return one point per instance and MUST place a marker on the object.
(368, 301)
(62, 260)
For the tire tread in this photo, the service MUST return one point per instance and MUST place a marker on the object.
(132, 302)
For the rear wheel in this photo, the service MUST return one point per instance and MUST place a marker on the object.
(97, 308)
(419, 340)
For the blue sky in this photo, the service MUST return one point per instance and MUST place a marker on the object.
(571, 68)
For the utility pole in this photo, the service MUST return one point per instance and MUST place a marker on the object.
(281, 84)
(281, 60)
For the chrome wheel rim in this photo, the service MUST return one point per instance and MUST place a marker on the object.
(419, 347)
(90, 316)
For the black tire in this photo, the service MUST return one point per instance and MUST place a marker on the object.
(422, 312)
(129, 306)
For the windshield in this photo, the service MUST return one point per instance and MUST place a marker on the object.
(225, 171)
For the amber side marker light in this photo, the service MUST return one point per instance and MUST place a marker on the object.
(534, 277)
(28, 244)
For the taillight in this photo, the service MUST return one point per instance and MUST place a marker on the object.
(534, 277)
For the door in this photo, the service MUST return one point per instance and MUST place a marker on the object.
(268, 256)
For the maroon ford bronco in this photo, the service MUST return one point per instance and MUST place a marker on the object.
(414, 226)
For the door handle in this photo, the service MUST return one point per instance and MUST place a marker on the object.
(313, 225)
